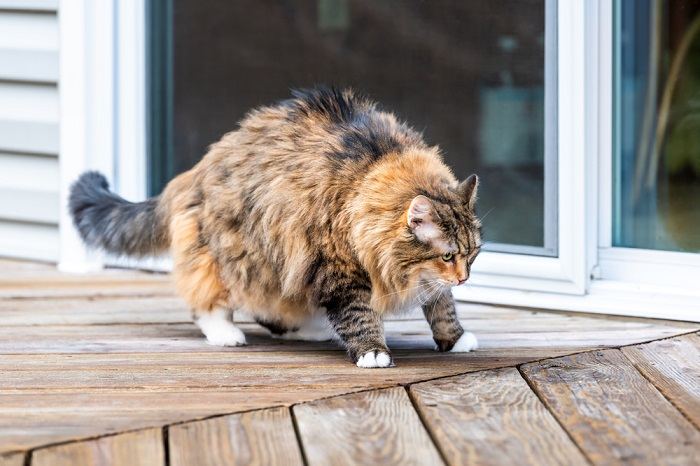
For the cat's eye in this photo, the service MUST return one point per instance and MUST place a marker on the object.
(447, 256)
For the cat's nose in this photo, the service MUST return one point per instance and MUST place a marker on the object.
(463, 281)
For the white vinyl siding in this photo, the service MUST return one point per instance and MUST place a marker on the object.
(29, 129)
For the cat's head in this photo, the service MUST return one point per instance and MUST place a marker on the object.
(432, 246)
(443, 236)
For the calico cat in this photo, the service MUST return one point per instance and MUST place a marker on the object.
(321, 205)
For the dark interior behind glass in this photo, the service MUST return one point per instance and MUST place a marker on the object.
(468, 73)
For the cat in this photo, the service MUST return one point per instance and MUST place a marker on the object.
(321, 205)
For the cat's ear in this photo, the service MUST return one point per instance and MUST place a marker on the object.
(421, 219)
(468, 189)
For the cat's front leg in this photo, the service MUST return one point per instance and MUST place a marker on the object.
(447, 331)
(358, 326)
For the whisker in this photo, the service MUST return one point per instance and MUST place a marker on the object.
(403, 290)
(486, 214)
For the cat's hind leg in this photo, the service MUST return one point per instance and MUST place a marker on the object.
(218, 327)
(198, 281)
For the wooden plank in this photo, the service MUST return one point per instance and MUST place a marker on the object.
(612, 412)
(31, 285)
(492, 417)
(134, 448)
(12, 459)
(82, 311)
(374, 427)
(264, 437)
(673, 366)
(24, 266)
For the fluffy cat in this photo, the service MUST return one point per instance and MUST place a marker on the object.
(321, 204)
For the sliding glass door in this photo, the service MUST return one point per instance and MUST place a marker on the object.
(478, 78)
(653, 228)
(580, 116)
(656, 169)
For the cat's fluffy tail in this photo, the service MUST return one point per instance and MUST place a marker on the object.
(111, 223)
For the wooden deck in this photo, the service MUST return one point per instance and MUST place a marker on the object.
(108, 369)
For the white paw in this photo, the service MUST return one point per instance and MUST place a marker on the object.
(226, 335)
(370, 360)
(467, 342)
(219, 330)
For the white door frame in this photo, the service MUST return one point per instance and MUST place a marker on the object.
(86, 99)
(102, 111)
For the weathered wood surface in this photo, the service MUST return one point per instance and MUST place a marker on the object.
(131, 449)
(83, 356)
(24, 280)
(612, 412)
(264, 437)
(473, 416)
(106, 378)
(375, 427)
(12, 459)
(673, 366)
(91, 311)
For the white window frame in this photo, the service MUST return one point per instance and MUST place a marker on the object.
(621, 281)
(567, 273)
(103, 76)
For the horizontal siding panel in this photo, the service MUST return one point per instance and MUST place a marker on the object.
(29, 126)
(28, 205)
(29, 65)
(29, 118)
(41, 5)
(28, 102)
(29, 171)
(29, 188)
(29, 241)
(40, 138)
(28, 31)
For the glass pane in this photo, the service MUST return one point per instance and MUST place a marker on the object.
(469, 73)
(657, 165)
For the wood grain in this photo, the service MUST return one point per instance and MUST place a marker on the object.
(12, 459)
(673, 366)
(89, 355)
(50, 283)
(264, 437)
(376, 427)
(612, 412)
(87, 311)
(492, 418)
(131, 449)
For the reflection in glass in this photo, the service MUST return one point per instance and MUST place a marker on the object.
(468, 73)
(657, 165)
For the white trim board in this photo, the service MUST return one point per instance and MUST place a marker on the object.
(603, 297)
(86, 85)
